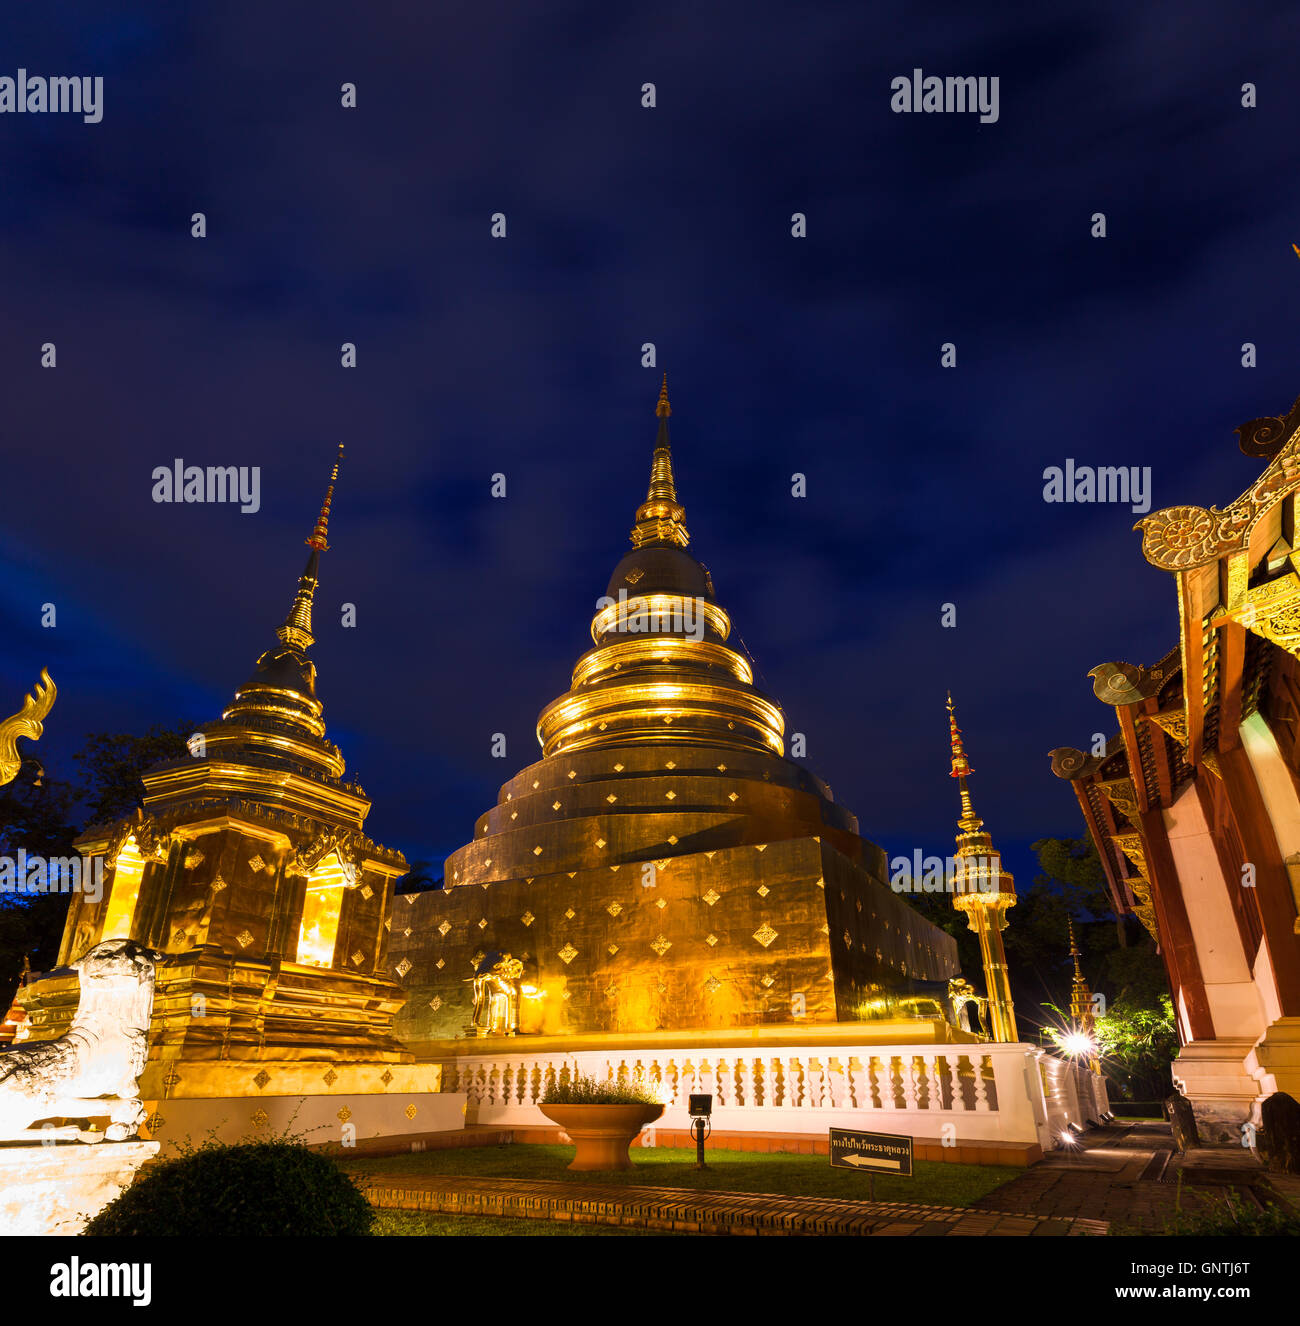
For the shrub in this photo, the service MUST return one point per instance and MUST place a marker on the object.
(259, 1188)
(581, 1090)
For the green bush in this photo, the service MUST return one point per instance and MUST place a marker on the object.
(580, 1090)
(259, 1188)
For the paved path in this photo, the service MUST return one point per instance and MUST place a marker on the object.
(1129, 1174)
(688, 1211)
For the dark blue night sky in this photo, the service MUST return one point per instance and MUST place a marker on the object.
(627, 225)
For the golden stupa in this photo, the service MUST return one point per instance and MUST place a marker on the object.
(664, 866)
(249, 870)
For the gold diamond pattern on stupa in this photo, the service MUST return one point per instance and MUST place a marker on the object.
(710, 940)
(192, 859)
(711, 897)
(344, 1114)
(569, 914)
(713, 985)
(614, 908)
(765, 934)
(261, 1078)
(260, 1118)
(403, 967)
(767, 982)
(567, 954)
(444, 927)
(435, 1003)
(661, 903)
(662, 945)
(330, 1077)
(528, 918)
(410, 1111)
(358, 958)
(243, 939)
(441, 963)
(367, 892)
(612, 949)
(255, 863)
(763, 890)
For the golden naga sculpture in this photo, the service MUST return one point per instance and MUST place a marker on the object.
(27, 722)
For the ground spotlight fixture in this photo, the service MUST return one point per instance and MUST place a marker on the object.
(700, 1108)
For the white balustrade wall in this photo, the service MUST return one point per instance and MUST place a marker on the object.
(982, 1093)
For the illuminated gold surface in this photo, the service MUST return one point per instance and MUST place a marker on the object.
(663, 865)
(27, 722)
(984, 892)
(123, 891)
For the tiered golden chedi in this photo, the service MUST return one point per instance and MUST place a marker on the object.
(249, 869)
(663, 866)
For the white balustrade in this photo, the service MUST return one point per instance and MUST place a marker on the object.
(990, 1092)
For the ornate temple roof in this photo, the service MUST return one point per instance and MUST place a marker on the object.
(1238, 601)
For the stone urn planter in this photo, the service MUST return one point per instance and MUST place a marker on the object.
(602, 1133)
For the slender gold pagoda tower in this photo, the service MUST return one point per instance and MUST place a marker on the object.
(1082, 1017)
(984, 892)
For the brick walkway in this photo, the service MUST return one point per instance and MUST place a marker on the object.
(687, 1211)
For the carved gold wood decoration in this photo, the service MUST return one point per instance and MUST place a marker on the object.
(1173, 722)
(27, 722)
(1181, 537)
(1140, 883)
(1122, 795)
(1271, 610)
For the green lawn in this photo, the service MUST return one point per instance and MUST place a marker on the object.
(935, 1184)
(427, 1224)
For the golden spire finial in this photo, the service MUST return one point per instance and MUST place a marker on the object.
(1074, 949)
(663, 409)
(661, 518)
(296, 629)
(960, 764)
(317, 539)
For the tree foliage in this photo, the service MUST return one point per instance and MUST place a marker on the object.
(111, 765)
